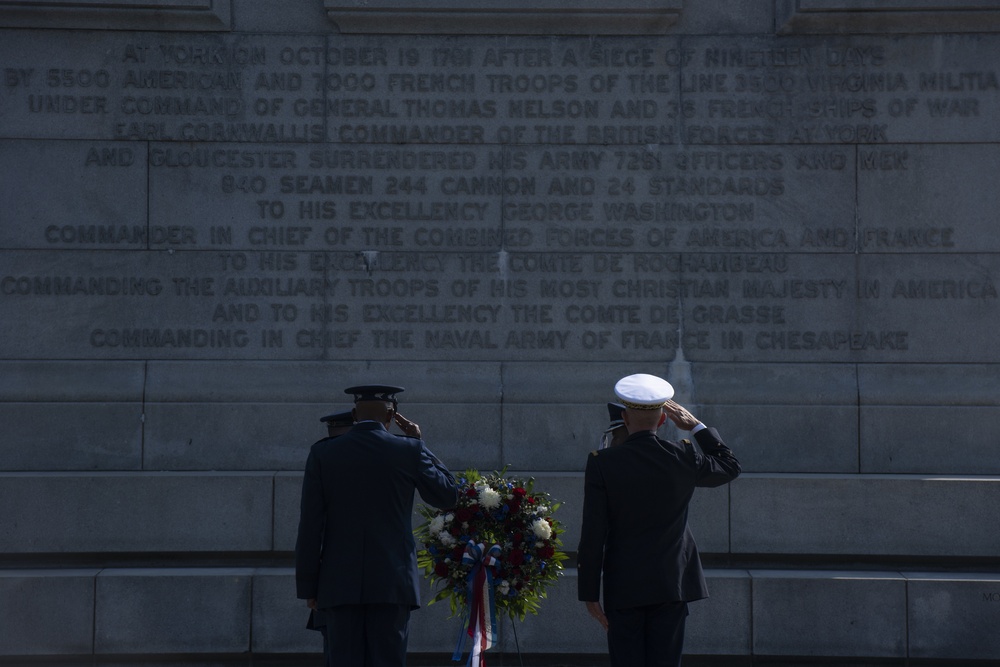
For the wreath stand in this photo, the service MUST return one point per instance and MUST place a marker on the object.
(517, 645)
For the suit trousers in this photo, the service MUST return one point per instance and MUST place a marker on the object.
(315, 622)
(366, 635)
(649, 636)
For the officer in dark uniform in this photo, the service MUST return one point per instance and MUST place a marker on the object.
(616, 432)
(635, 530)
(337, 424)
(355, 557)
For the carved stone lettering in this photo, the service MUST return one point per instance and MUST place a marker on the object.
(209, 227)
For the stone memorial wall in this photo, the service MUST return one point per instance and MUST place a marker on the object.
(215, 216)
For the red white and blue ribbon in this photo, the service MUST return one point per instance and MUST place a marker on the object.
(482, 619)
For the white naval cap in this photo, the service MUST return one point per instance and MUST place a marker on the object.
(643, 392)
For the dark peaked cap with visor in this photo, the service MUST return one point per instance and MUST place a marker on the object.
(339, 419)
(615, 416)
(374, 392)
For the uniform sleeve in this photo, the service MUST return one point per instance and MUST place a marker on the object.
(716, 463)
(435, 483)
(312, 521)
(593, 533)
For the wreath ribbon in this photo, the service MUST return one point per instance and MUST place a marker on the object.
(482, 614)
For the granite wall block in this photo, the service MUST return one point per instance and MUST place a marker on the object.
(47, 612)
(166, 611)
(56, 201)
(561, 626)
(265, 416)
(278, 617)
(588, 17)
(156, 15)
(433, 629)
(834, 16)
(73, 513)
(74, 415)
(953, 615)
(935, 418)
(823, 613)
(721, 624)
(872, 515)
(931, 187)
(709, 512)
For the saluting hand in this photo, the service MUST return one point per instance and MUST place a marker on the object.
(679, 415)
(411, 429)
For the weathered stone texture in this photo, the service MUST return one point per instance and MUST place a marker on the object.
(214, 216)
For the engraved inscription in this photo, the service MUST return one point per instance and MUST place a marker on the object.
(478, 196)
(482, 305)
(722, 91)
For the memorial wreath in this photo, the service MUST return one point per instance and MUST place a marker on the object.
(494, 553)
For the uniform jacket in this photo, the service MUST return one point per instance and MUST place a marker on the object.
(355, 541)
(635, 512)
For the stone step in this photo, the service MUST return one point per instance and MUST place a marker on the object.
(918, 516)
(233, 611)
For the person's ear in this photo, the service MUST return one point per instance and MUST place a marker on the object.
(663, 418)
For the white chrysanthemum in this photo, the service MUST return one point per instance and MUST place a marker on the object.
(504, 587)
(449, 517)
(436, 525)
(542, 510)
(489, 498)
(541, 529)
(447, 539)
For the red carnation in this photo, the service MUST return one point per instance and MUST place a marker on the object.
(463, 514)
(441, 569)
(546, 552)
(518, 537)
(458, 552)
(519, 492)
(471, 493)
(516, 557)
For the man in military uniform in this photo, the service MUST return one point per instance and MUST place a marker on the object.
(355, 557)
(635, 530)
(616, 432)
(337, 424)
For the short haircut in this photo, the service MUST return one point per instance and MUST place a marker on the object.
(644, 419)
(377, 410)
